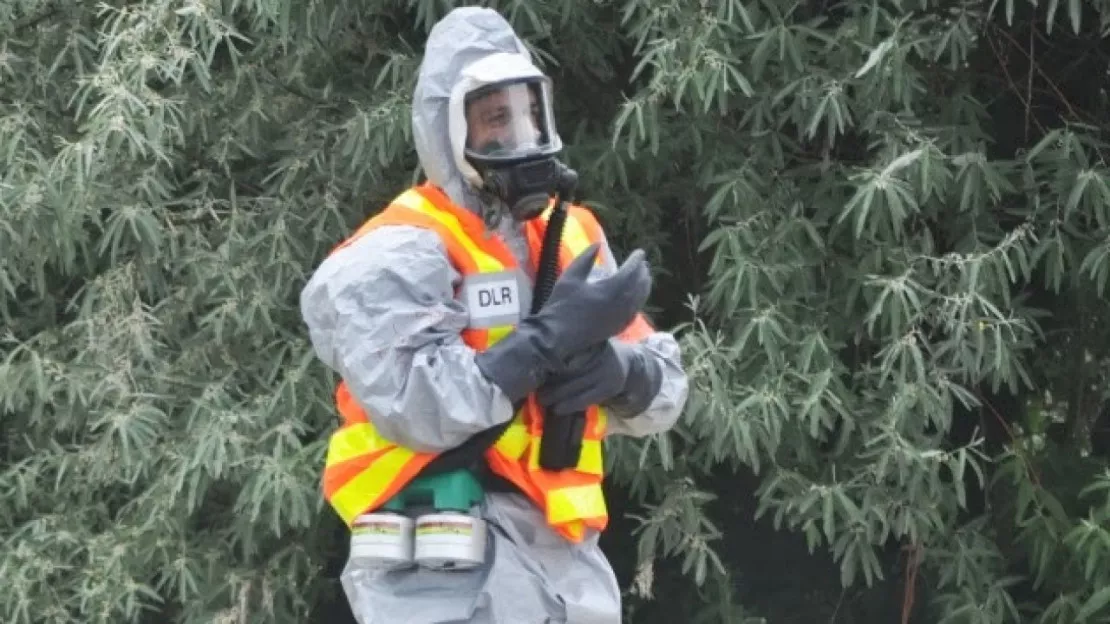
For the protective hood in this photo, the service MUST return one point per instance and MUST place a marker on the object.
(467, 49)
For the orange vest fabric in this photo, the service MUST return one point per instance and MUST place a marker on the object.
(364, 470)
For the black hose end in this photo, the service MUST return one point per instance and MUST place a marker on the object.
(567, 183)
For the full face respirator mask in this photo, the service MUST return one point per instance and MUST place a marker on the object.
(512, 144)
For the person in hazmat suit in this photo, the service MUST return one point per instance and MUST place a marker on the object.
(424, 313)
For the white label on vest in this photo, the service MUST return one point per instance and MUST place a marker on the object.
(493, 299)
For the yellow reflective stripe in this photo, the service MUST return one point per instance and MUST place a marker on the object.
(573, 503)
(590, 460)
(495, 334)
(602, 422)
(514, 440)
(534, 453)
(575, 529)
(574, 235)
(352, 441)
(415, 201)
(358, 494)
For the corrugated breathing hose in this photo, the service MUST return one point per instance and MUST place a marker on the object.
(561, 443)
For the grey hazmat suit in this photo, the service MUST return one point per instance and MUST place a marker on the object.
(382, 313)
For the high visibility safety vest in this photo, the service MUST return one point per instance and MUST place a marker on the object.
(364, 470)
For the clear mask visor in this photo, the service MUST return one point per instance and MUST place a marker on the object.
(509, 122)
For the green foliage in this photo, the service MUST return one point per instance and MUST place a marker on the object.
(875, 259)
(891, 217)
(170, 173)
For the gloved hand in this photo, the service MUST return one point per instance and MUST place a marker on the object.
(582, 313)
(577, 315)
(616, 373)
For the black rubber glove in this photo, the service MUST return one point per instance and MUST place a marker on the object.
(615, 373)
(578, 314)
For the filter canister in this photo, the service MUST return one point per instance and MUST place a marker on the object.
(382, 540)
(449, 541)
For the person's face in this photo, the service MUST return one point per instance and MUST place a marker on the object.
(507, 118)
